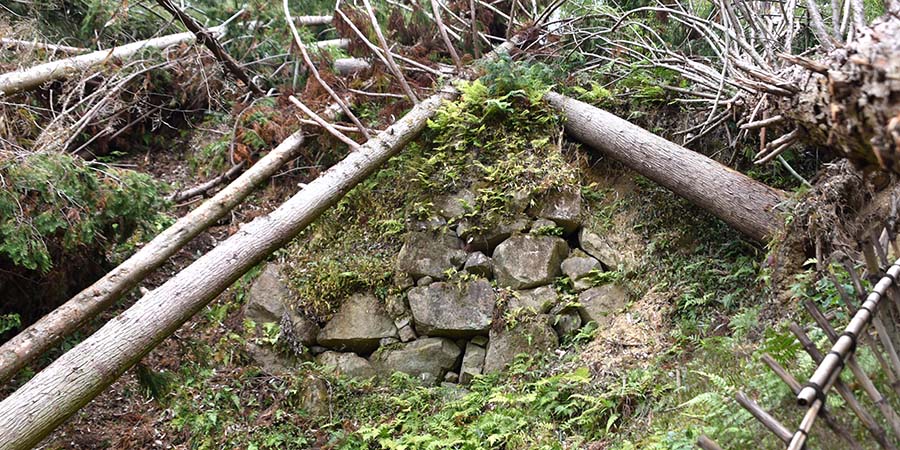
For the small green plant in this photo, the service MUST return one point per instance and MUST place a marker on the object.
(9, 322)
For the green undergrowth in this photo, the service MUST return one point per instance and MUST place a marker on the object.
(498, 140)
(53, 203)
(218, 400)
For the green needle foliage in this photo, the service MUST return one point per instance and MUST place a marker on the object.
(53, 203)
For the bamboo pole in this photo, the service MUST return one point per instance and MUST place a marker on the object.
(57, 392)
(845, 344)
(763, 417)
(869, 340)
(867, 420)
(706, 443)
(795, 386)
(863, 379)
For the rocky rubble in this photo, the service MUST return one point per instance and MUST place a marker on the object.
(465, 303)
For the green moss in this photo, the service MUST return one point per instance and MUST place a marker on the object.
(496, 141)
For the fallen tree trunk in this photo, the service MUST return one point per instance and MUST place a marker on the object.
(33, 77)
(19, 43)
(63, 321)
(747, 205)
(57, 392)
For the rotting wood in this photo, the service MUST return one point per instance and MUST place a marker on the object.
(747, 205)
(54, 394)
(63, 321)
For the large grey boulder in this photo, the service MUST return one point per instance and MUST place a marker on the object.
(479, 264)
(427, 359)
(526, 261)
(485, 240)
(430, 254)
(531, 337)
(578, 266)
(472, 363)
(453, 310)
(599, 304)
(567, 322)
(539, 300)
(269, 300)
(454, 206)
(349, 364)
(269, 360)
(562, 207)
(358, 325)
(268, 297)
(616, 250)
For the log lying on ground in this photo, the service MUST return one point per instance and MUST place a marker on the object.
(306, 21)
(33, 77)
(747, 205)
(63, 321)
(57, 392)
(19, 43)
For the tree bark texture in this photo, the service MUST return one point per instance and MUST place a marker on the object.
(63, 321)
(34, 77)
(745, 204)
(57, 392)
(851, 98)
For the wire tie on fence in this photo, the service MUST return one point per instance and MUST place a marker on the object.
(820, 394)
(853, 341)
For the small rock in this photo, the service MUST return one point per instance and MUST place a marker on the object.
(567, 322)
(396, 306)
(302, 330)
(451, 377)
(427, 359)
(529, 337)
(358, 326)
(407, 333)
(424, 281)
(430, 254)
(542, 224)
(385, 341)
(451, 310)
(578, 266)
(479, 264)
(480, 341)
(622, 256)
(599, 304)
(538, 300)
(472, 363)
(348, 364)
(403, 281)
(486, 240)
(270, 361)
(562, 207)
(527, 261)
(314, 398)
(317, 349)
(456, 205)
(430, 224)
(268, 297)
